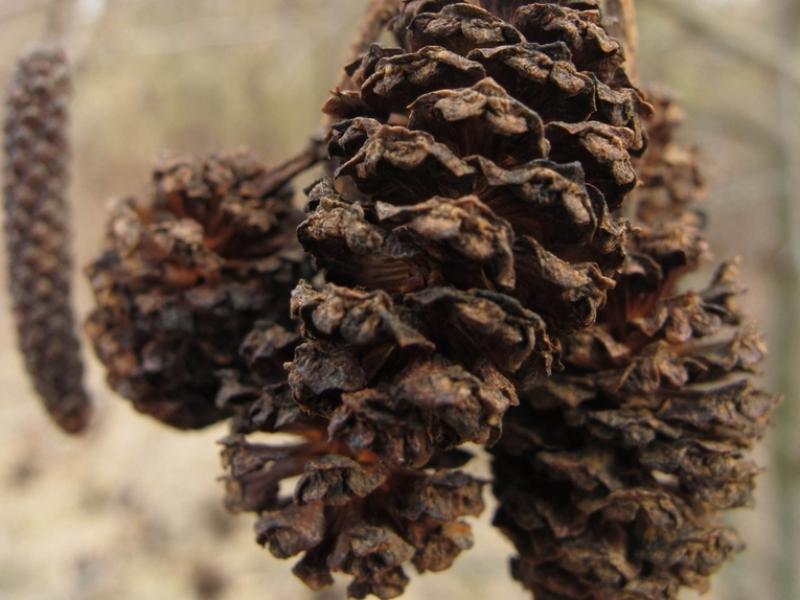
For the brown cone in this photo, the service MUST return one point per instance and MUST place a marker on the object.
(484, 156)
(468, 223)
(186, 273)
(612, 473)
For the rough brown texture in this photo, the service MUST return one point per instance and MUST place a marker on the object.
(37, 233)
(186, 272)
(478, 163)
(478, 283)
(350, 510)
(468, 223)
(612, 474)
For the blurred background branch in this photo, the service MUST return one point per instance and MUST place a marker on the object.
(57, 20)
(709, 24)
(787, 301)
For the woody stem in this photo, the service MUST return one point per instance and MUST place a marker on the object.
(619, 19)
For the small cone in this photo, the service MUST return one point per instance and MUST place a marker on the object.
(469, 222)
(612, 474)
(186, 272)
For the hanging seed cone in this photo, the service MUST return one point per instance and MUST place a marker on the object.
(348, 512)
(611, 474)
(37, 233)
(468, 223)
(478, 163)
(185, 274)
(351, 510)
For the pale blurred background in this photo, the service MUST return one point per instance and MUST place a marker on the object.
(132, 511)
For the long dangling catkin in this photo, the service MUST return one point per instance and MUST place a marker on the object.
(36, 172)
(185, 273)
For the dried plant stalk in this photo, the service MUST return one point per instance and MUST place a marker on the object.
(37, 232)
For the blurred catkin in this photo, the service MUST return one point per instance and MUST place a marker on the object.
(37, 232)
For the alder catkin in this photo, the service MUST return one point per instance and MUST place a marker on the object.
(37, 233)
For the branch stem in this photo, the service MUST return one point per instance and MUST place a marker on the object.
(57, 21)
(290, 168)
(619, 19)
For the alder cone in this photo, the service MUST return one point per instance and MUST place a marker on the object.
(468, 223)
(37, 233)
(186, 272)
(478, 163)
(612, 473)
(672, 186)
(351, 510)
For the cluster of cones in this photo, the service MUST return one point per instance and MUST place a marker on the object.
(496, 258)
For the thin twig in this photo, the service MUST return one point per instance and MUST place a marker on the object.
(377, 16)
(57, 21)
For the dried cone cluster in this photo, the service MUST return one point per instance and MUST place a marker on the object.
(612, 473)
(187, 271)
(37, 233)
(478, 284)
(467, 226)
